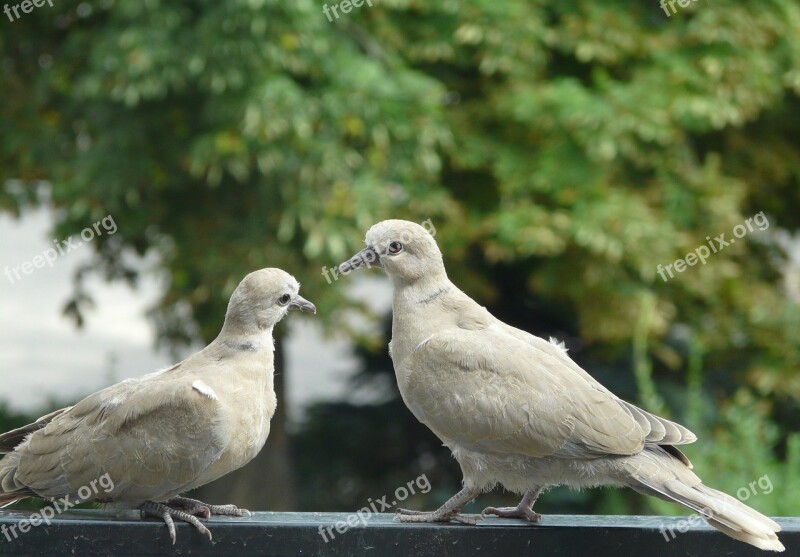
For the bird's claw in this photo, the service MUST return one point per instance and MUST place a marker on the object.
(228, 510)
(193, 506)
(406, 515)
(187, 510)
(512, 512)
(167, 513)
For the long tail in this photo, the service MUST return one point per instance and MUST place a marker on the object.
(656, 472)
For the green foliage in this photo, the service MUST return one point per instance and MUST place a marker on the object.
(563, 150)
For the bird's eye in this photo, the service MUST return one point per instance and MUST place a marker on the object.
(394, 248)
(283, 300)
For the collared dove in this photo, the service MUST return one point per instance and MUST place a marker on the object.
(516, 410)
(167, 432)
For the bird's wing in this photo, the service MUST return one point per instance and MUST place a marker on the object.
(485, 389)
(10, 439)
(657, 430)
(151, 436)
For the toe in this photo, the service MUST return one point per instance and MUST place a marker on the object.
(533, 517)
(502, 512)
(470, 520)
(407, 512)
(202, 511)
(171, 528)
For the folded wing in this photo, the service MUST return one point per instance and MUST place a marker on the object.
(496, 393)
(150, 437)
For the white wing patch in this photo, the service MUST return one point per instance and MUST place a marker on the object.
(204, 389)
(114, 401)
(558, 344)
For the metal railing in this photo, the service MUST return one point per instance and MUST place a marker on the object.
(87, 533)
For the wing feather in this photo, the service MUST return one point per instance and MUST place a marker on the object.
(658, 430)
(150, 437)
(491, 391)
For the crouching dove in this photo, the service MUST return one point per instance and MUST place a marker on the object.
(515, 410)
(165, 433)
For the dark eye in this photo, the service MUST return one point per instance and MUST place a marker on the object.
(283, 300)
(394, 248)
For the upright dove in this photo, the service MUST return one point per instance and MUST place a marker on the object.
(515, 410)
(154, 437)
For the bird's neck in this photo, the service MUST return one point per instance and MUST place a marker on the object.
(251, 350)
(408, 294)
(419, 310)
(246, 334)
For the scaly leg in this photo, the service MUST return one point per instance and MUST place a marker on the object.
(447, 512)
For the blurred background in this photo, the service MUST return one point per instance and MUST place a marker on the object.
(563, 150)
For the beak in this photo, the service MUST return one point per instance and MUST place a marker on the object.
(302, 304)
(367, 257)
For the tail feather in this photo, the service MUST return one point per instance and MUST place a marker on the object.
(766, 543)
(711, 492)
(7, 499)
(655, 472)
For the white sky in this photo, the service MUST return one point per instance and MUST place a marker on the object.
(43, 356)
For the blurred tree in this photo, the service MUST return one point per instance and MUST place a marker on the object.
(563, 150)
(224, 137)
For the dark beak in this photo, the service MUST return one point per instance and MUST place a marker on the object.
(302, 304)
(367, 257)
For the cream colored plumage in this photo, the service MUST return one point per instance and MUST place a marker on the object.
(516, 410)
(165, 433)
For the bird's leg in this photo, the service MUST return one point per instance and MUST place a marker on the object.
(165, 513)
(195, 507)
(523, 510)
(447, 512)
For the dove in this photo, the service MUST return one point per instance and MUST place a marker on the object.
(516, 410)
(155, 437)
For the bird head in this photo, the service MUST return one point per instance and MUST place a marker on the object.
(263, 298)
(405, 250)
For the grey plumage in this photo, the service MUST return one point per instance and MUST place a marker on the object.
(168, 432)
(516, 410)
